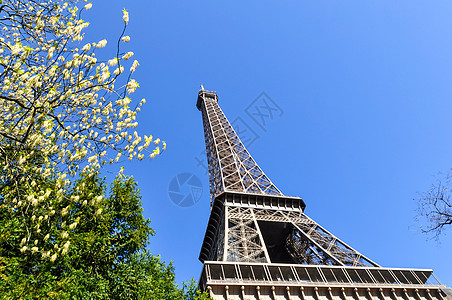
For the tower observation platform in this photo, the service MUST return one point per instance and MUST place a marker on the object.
(259, 243)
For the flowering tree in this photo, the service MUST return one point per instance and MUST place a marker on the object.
(63, 113)
(104, 257)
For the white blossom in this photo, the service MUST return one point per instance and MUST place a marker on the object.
(86, 47)
(132, 85)
(101, 43)
(64, 235)
(46, 67)
(119, 70)
(134, 66)
(113, 62)
(127, 55)
(125, 16)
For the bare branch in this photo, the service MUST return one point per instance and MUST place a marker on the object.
(435, 206)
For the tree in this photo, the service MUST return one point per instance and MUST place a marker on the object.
(107, 258)
(435, 206)
(62, 113)
(63, 116)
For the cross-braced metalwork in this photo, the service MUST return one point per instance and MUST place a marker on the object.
(259, 240)
(231, 167)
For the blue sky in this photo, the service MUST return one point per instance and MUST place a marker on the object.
(364, 89)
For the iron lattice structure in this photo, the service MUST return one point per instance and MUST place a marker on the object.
(259, 243)
(231, 167)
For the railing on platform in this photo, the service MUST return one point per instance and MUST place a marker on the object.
(218, 272)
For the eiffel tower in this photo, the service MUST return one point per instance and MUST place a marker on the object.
(259, 244)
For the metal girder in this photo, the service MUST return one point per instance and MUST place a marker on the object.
(244, 238)
(231, 167)
(239, 236)
(259, 243)
(225, 280)
(307, 239)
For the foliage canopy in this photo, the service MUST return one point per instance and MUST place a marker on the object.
(62, 112)
(107, 258)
